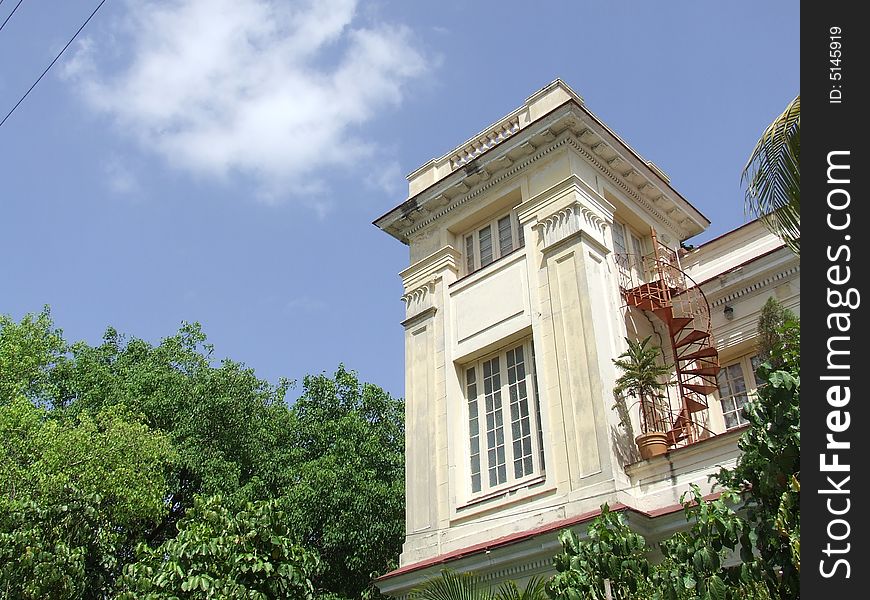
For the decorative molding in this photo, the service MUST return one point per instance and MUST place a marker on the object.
(500, 168)
(490, 138)
(567, 221)
(565, 138)
(518, 570)
(625, 187)
(512, 169)
(754, 287)
(420, 298)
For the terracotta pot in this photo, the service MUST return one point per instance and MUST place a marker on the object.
(654, 443)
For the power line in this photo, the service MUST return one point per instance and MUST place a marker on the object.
(59, 54)
(10, 14)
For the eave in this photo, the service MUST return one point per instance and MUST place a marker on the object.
(570, 123)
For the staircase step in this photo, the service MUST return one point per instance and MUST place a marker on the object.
(679, 323)
(675, 324)
(702, 353)
(695, 405)
(704, 390)
(702, 371)
(693, 336)
(665, 313)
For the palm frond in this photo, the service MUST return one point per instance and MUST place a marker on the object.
(772, 174)
(534, 590)
(450, 585)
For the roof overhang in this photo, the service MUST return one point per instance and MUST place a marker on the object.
(529, 552)
(515, 142)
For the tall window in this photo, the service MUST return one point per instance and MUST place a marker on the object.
(491, 241)
(504, 422)
(736, 385)
(628, 251)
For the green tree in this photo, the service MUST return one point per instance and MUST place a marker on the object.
(224, 423)
(76, 494)
(29, 351)
(778, 334)
(772, 173)
(81, 416)
(611, 551)
(346, 448)
(767, 474)
(219, 553)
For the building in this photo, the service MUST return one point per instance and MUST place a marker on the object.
(536, 248)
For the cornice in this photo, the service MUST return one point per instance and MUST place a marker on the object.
(634, 192)
(754, 287)
(445, 258)
(511, 168)
(501, 168)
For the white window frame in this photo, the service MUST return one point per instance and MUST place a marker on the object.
(623, 233)
(732, 400)
(471, 242)
(491, 472)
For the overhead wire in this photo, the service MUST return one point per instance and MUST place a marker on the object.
(10, 14)
(56, 58)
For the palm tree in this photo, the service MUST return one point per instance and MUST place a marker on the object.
(450, 585)
(640, 377)
(773, 193)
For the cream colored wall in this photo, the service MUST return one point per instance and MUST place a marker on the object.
(561, 290)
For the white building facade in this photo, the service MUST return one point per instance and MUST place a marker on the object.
(536, 248)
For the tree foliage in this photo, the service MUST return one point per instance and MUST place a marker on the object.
(767, 475)
(450, 585)
(346, 447)
(772, 173)
(77, 492)
(107, 449)
(610, 551)
(219, 553)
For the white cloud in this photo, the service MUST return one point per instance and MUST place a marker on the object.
(120, 179)
(387, 178)
(272, 90)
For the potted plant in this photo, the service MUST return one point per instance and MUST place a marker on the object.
(641, 378)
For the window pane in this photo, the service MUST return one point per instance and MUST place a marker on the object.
(520, 422)
(637, 259)
(469, 254)
(731, 420)
(755, 361)
(732, 394)
(619, 246)
(473, 428)
(484, 237)
(504, 444)
(537, 405)
(505, 236)
(494, 422)
(520, 235)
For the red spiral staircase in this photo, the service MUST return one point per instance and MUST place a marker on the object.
(655, 283)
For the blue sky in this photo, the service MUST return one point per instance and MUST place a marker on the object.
(221, 161)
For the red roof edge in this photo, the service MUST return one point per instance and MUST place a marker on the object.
(524, 535)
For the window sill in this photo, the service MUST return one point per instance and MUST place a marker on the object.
(502, 492)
